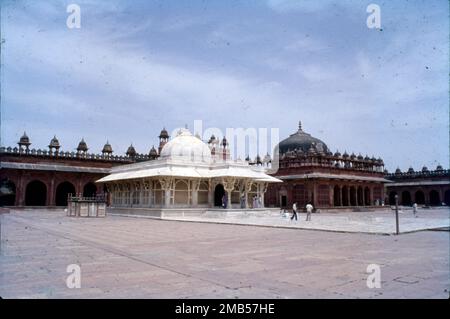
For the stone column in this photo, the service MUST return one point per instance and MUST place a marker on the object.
(340, 196)
(126, 194)
(79, 186)
(131, 195)
(315, 194)
(228, 185)
(426, 192)
(363, 194)
(289, 197)
(371, 199)
(331, 197)
(141, 194)
(229, 191)
(258, 193)
(167, 198)
(248, 187)
(241, 193)
(51, 191)
(210, 197)
(263, 190)
(20, 191)
(166, 185)
(148, 185)
(122, 189)
(194, 196)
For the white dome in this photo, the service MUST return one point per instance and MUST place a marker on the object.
(186, 147)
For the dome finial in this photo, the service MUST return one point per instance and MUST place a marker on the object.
(300, 125)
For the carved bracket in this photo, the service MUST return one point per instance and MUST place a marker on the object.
(166, 183)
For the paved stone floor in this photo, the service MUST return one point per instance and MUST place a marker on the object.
(377, 222)
(123, 257)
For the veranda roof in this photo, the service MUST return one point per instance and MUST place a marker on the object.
(190, 172)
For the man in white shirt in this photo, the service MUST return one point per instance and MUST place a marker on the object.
(309, 209)
(294, 211)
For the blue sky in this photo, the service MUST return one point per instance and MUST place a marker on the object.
(136, 66)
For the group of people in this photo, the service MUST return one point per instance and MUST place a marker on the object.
(257, 201)
(309, 209)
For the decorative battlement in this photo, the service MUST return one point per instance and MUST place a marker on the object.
(72, 155)
(335, 161)
(81, 153)
(424, 173)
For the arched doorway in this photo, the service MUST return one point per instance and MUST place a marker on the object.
(434, 198)
(36, 194)
(62, 191)
(89, 190)
(337, 196)
(360, 196)
(352, 196)
(181, 196)
(219, 191)
(282, 197)
(406, 198)
(345, 199)
(392, 198)
(7, 193)
(447, 197)
(367, 201)
(420, 198)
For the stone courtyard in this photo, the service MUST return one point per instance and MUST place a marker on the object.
(124, 257)
(371, 222)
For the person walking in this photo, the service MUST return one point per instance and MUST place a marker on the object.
(415, 209)
(309, 209)
(294, 211)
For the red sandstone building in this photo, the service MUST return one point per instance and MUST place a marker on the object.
(30, 177)
(425, 187)
(312, 173)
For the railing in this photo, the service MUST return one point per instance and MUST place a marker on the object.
(81, 206)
